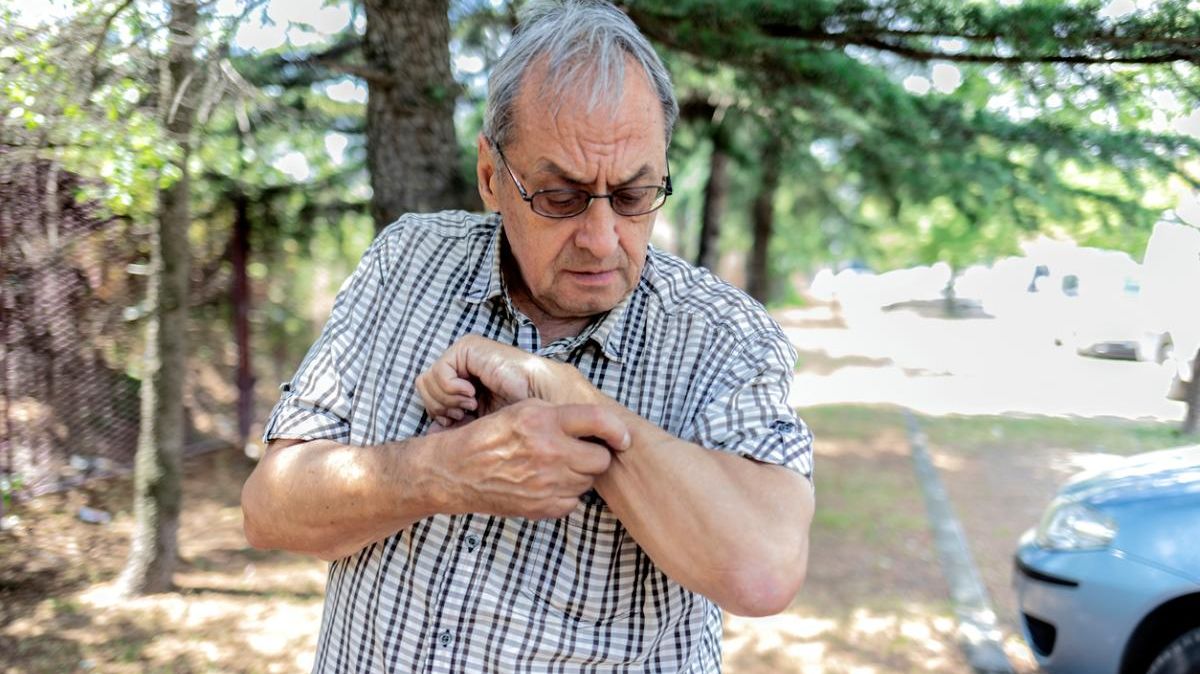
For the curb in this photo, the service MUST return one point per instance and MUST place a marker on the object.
(978, 635)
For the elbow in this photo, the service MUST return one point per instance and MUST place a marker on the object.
(764, 586)
(253, 528)
(757, 595)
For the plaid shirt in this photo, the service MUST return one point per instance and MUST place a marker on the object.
(475, 593)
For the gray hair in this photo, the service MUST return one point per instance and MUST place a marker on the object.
(585, 44)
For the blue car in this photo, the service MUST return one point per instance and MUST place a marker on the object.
(1109, 581)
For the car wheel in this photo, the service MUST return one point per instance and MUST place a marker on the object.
(1181, 657)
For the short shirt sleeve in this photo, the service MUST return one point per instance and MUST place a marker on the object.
(316, 404)
(748, 414)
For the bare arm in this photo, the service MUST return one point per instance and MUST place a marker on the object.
(330, 500)
(728, 527)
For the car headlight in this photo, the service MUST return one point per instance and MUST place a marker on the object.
(1070, 525)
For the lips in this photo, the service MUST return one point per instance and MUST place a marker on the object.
(597, 277)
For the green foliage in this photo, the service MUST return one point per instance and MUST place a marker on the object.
(1056, 139)
(63, 101)
(10, 485)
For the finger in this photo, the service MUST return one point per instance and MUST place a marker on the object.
(588, 458)
(497, 366)
(438, 395)
(450, 381)
(432, 404)
(582, 421)
(564, 506)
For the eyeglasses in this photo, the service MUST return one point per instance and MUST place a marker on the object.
(569, 202)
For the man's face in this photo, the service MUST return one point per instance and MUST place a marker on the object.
(576, 267)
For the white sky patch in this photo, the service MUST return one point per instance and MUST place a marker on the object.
(1188, 209)
(300, 37)
(323, 19)
(951, 45)
(1118, 9)
(335, 145)
(469, 64)
(1103, 117)
(347, 91)
(42, 11)
(1166, 100)
(946, 78)
(276, 25)
(915, 84)
(825, 151)
(1189, 126)
(257, 35)
(294, 165)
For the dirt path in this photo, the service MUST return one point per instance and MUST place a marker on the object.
(237, 610)
(874, 602)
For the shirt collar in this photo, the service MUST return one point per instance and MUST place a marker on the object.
(485, 281)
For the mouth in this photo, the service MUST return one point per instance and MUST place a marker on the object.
(599, 277)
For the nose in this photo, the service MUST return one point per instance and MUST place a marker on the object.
(597, 232)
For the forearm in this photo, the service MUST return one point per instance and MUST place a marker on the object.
(330, 500)
(719, 524)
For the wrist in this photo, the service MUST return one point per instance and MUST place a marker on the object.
(431, 478)
(566, 385)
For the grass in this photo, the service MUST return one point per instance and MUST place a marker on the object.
(994, 432)
(985, 433)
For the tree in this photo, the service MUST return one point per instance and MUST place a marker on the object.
(412, 153)
(157, 483)
(716, 192)
(908, 176)
(1191, 421)
(758, 266)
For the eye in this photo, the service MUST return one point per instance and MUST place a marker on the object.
(633, 198)
(561, 202)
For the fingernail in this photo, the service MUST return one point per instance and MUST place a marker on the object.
(626, 442)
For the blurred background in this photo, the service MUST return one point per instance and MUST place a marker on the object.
(977, 217)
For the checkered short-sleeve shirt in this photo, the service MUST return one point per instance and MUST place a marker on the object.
(475, 593)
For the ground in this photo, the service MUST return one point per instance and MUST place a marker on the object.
(875, 601)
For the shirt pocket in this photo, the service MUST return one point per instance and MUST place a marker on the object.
(585, 566)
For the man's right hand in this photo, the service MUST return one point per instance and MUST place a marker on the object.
(530, 459)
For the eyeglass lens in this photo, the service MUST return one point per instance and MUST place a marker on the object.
(625, 201)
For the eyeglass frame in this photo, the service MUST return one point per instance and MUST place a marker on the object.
(666, 188)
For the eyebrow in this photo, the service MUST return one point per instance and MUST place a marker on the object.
(547, 166)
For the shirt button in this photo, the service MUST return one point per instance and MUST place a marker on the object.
(472, 542)
(445, 638)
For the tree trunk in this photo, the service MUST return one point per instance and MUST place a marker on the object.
(412, 153)
(1191, 422)
(715, 196)
(157, 483)
(758, 267)
(950, 295)
(239, 253)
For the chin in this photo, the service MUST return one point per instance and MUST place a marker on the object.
(597, 303)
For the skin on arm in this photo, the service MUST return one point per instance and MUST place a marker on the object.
(328, 499)
(723, 525)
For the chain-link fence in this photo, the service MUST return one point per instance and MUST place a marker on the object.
(71, 301)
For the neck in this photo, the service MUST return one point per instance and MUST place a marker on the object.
(550, 328)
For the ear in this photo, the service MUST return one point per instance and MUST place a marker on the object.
(485, 175)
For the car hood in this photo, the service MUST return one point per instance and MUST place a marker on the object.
(1162, 474)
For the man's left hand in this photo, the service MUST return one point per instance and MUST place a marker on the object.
(477, 376)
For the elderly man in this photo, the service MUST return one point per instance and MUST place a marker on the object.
(528, 441)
